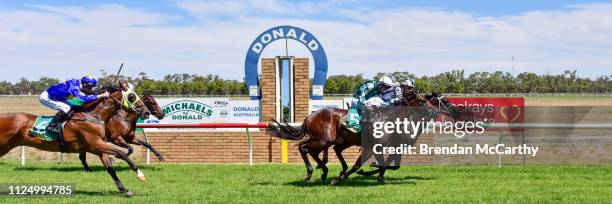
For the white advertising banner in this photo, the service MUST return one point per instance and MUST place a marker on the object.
(205, 110)
(318, 104)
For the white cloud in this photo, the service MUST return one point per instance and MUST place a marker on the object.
(71, 41)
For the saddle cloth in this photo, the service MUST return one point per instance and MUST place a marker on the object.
(38, 130)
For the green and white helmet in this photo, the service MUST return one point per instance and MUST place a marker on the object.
(408, 82)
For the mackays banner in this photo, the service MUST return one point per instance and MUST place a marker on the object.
(205, 110)
(492, 110)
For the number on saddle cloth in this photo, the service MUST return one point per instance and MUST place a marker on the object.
(38, 130)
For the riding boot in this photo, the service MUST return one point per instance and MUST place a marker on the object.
(353, 120)
(54, 128)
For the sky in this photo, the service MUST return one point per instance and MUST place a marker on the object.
(69, 38)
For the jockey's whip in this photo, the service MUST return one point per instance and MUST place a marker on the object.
(118, 72)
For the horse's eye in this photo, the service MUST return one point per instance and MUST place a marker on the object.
(131, 97)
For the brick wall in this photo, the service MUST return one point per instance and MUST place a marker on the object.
(232, 147)
(301, 91)
(268, 88)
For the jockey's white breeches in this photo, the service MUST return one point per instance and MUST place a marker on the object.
(53, 104)
(375, 101)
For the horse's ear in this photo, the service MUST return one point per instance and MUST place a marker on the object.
(123, 85)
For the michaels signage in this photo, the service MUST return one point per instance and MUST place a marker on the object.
(205, 110)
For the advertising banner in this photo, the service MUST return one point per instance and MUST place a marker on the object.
(492, 110)
(318, 104)
(205, 110)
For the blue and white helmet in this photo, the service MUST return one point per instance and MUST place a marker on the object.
(89, 80)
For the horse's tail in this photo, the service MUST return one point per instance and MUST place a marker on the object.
(286, 131)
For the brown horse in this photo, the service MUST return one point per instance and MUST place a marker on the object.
(84, 132)
(326, 129)
(322, 126)
(427, 107)
(122, 129)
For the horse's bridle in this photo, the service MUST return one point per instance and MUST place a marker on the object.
(122, 106)
(131, 106)
(442, 106)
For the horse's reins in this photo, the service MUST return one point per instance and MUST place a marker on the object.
(96, 118)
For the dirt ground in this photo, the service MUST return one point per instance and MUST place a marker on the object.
(26, 104)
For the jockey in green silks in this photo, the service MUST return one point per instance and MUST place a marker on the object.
(371, 93)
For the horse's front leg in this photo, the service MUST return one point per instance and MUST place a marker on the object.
(397, 159)
(121, 142)
(83, 158)
(106, 161)
(103, 147)
(338, 149)
(366, 153)
(138, 141)
(325, 158)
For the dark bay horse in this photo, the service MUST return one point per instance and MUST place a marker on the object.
(425, 107)
(325, 129)
(444, 107)
(84, 132)
(322, 127)
(122, 129)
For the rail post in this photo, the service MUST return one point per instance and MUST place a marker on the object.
(250, 140)
(22, 155)
(523, 139)
(501, 140)
(144, 133)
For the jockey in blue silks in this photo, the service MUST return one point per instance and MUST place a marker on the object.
(63, 97)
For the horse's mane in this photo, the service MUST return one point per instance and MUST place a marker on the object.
(92, 105)
(433, 94)
(110, 88)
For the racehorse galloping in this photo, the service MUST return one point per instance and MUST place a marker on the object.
(84, 132)
(325, 129)
(321, 126)
(442, 106)
(121, 129)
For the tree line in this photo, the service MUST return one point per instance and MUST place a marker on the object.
(455, 81)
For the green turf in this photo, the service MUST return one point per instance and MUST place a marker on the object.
(276, 183)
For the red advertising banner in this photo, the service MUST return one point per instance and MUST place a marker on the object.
(492, 110)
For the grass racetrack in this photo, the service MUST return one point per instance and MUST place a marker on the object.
(278, 183)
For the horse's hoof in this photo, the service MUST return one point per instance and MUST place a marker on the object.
(140, 175)
(141, 178)
(162, 159)
(335, 182)
(380, 179)
(129, 194)
(307, 177)
(323, 177)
